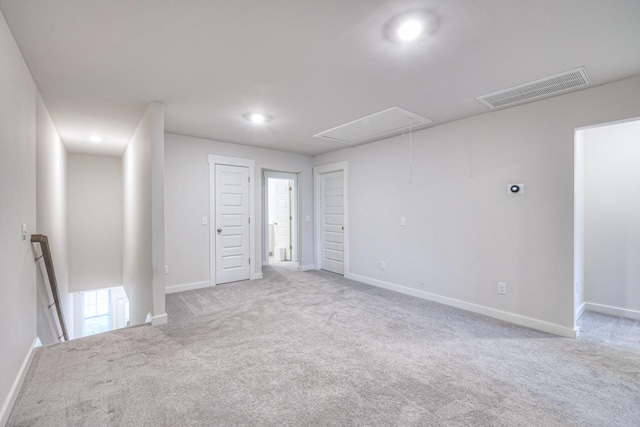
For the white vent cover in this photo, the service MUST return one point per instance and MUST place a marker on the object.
(385, 124)
(548, 86)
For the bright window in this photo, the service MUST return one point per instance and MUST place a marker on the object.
(96, 312)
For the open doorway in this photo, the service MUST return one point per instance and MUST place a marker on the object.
(607, 232)
(100, 310)
(281, 218)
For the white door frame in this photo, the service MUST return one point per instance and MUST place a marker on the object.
(295, 256)
(317, 181)
(255, 270)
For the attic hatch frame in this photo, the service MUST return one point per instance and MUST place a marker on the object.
(383, 124)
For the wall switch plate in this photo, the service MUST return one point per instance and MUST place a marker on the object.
(166, 269)
(308, 219)
(403, 221)
(502, 288)
(24, 231)
(383, 265)
(205, 220)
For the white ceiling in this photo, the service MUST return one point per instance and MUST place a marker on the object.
(311, 65)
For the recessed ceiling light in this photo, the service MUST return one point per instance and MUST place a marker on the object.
(95, 138)
(409, 30)
(257, 118)
(412, 26)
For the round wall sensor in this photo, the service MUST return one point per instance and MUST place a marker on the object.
(515, 189)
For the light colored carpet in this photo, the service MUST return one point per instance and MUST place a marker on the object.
(612, 330)
(312, 348)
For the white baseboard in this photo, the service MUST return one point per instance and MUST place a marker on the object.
(306, 267)
(172, 289)
(474, 308)
(7, 406)
(613, 311)
(159, 320)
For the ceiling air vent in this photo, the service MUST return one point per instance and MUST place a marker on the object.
(384, 124)
(548, 86)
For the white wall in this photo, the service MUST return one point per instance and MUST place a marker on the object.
(187, 201)
(271, 190)
(463, 232)
(578, 225)
(51, 191)
(612, 216)
(156, 132)
(94, 201)
(17, 207)
(142, 275)
(272, 184)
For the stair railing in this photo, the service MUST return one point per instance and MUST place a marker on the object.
(48, 262)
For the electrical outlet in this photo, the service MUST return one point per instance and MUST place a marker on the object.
(403, 221)
(502, 288)
(578, 288)
(383, 265)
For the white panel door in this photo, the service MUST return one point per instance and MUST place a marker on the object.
(283, 216)
(332, 221)
(232, 223)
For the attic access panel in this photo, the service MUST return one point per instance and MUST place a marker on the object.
(384, 124)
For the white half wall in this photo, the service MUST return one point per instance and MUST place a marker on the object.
(17, 206)
(187, 202)
(464, 233)
(612, 216)
(94, 198)
(142, 275)
(51, 191)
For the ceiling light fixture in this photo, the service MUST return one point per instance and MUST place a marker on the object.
(95, 138)
(258, 118)
(412, 26)
(409, 30)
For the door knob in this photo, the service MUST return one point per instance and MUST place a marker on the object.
(219, 230)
